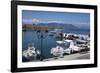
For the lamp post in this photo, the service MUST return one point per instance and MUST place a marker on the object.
(42, 34)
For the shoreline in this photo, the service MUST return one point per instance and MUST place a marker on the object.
(75, 56)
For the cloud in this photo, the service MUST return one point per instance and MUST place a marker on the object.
(31, 21)
(55, 21)
(36, 21)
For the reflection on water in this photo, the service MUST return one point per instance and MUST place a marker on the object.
(48, 42)
(31, 37)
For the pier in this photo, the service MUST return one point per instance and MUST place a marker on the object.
(75, 56)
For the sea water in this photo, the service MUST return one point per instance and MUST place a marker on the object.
(49, 42)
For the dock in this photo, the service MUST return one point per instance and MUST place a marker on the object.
(76, 56)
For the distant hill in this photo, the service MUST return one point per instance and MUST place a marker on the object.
(66, 27)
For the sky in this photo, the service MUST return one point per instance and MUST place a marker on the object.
(77, 19)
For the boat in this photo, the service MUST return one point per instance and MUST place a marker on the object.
(60, 42)
(31, 53)
(84, 37)
(71, 47)
(58, 51)
(79, 41)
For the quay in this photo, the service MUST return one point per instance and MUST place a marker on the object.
(76, 56)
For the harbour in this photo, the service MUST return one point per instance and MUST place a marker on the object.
(48, 35)
(50, 42)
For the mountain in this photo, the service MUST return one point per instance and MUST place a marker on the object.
(66, 27)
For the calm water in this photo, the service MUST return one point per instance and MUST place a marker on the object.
(47, 43)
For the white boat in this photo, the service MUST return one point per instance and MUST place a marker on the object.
(55, 31)
(72, 47)
(84, 37)
(60, 42)
(81, 41)
(57, 51)
(31, 53)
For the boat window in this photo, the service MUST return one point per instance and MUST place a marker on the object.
(67, 44)
(75, 43)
